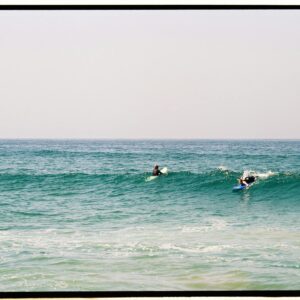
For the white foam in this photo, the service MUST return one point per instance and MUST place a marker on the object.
(215, 248)
(197, 249)
(261, 175)
(247, 173)
(265, 175)
(222, 168)
(213, 224)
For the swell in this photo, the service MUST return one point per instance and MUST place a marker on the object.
(215, 179)
(47, 153)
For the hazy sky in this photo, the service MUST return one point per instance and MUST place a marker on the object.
(150, 74)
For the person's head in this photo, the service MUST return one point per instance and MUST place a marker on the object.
(156, 167)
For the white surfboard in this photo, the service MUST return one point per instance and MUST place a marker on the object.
(164, 172)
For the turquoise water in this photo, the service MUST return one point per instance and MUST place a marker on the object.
(79, 215)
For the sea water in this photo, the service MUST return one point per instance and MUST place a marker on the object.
(80, 215)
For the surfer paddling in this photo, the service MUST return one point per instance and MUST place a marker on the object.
(243, 182)
(247, 179)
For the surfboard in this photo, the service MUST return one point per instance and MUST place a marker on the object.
(164, 172)
(240, 187)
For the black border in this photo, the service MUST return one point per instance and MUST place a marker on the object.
(143, 294)
(148, 7)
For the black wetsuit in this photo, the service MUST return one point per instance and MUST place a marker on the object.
(156, 172)
(250, 179)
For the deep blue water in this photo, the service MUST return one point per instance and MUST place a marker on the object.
(80, 215)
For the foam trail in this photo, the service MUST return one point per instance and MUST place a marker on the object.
(260, 175)
(265, 175)
(223, 168)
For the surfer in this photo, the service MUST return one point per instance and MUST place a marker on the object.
(156, 171)
(243, 182)
(246, 180)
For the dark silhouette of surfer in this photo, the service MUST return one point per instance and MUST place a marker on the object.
(156, 171)
(247, 180)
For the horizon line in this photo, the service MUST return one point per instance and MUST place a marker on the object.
(150, 139)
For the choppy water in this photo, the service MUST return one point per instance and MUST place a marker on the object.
(79, 215)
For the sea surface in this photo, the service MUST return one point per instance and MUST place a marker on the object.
(79, 215)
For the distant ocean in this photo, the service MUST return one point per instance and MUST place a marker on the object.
(79, 215)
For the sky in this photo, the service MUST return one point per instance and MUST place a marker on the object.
(229, 74)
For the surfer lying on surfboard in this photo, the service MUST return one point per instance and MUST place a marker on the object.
(247, 179)
(156, 171)
(243, 182)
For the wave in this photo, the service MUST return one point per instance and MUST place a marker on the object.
(216, 179)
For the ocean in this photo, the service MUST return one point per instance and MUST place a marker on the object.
(80, 215)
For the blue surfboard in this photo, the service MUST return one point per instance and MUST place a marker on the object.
(239, 187)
